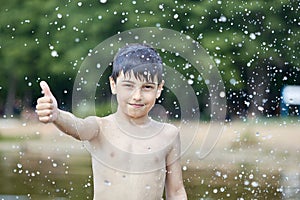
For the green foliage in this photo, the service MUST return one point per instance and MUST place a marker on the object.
(49, 39)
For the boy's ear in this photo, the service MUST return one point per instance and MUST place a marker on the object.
(160, 89)
(112, 85)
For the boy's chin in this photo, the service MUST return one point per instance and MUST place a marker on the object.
(137, 114)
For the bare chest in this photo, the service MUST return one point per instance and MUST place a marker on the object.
(125, 152)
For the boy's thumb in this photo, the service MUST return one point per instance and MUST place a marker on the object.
(45, 89)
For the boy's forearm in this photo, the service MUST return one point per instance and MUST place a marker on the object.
(68, 123)
(81, 129)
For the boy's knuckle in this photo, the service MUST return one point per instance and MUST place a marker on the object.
(44, 119)
(41, 119)
(39, 107)
(49, 112)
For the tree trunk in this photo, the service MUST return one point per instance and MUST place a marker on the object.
(11, 97)
(258, 85)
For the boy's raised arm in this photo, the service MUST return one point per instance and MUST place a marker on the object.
(48, 111)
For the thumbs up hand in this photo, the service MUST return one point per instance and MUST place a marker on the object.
(46, 107)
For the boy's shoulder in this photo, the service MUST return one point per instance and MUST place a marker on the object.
(168, 128)
(103, 120)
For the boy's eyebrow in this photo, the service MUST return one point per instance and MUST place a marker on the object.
(127, 81)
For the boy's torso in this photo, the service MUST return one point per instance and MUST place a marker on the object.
(130, 163)
(110, 184)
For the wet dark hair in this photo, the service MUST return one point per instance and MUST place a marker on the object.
(141, 59)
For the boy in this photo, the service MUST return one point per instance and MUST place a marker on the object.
(133, 156)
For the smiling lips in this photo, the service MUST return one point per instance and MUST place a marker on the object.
(136, 105)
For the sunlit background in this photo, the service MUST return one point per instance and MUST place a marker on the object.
(254, 44)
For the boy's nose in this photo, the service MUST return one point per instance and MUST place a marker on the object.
(137, 94)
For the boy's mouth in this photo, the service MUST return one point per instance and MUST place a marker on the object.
(136, 105)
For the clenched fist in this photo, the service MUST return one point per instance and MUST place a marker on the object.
(46, 107)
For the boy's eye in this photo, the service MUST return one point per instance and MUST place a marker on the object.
(128, 85)
(148, 87)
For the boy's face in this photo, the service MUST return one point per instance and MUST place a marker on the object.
(135, 96)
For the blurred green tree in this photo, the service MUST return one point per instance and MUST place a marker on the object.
(255, 45)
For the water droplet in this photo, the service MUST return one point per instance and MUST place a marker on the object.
(222, 19)
(54, 53)
(217, 61)
(251, 176)
(148, 187)
(260, 108)
(218, 173)
(254, 184)
(59, 16)
(252, 36)
(103, 1)
(176, 16)
(107, 183)
(222, 94)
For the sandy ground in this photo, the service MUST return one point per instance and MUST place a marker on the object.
(270, 145)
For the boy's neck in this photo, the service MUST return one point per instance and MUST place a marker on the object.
(141, 121)
(141, 128)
